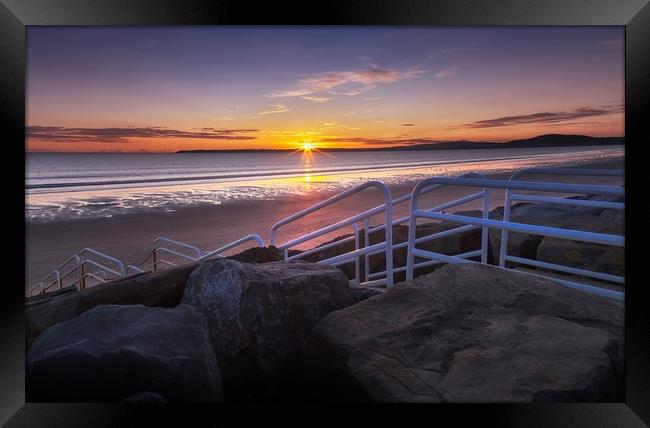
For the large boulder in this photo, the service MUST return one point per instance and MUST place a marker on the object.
(258, 255)
(125, 352)
(469, 333)
(162, 288)
(159, 289)
(259, 316)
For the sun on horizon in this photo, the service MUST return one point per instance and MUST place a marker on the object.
(121, 89)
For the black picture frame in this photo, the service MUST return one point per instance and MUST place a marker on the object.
(15, 15)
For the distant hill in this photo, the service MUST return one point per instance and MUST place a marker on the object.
(547, 140)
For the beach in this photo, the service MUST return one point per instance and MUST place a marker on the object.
(129, 237)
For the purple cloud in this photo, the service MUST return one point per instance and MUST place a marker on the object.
(544, 117)
(120, 135)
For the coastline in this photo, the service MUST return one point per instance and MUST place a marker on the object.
(129, 237)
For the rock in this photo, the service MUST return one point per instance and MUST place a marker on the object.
(469, 333)
(360, 294)
(258, 255)
(259, 315)
(117, 352)
(159, 289)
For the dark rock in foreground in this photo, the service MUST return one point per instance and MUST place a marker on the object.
(163, 288)
(469, 333)
(360, 294)
(259, 316)
(130, 352)
(160, 289)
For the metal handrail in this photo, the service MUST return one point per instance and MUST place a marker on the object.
(197, 255)
(348, 257)
(57, 273)
(368, 230)
(404, 219)
(119, 263)
(510, 197)
(253, 237)
(602, 238)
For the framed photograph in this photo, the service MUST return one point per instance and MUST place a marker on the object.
(231, 204)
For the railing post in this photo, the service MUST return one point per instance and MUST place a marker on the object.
(82, 276)
(410, 258)
(155, 261)
(389, 241)
(503, 249)
(366, 244)
(357, 270)
(484, 231)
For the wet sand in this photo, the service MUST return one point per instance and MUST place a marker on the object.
(129, 237)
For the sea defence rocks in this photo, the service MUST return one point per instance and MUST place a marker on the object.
(469, 333)
(125, 352)
(159, 289)
(162, 288)
(258, 255)
(259, 315)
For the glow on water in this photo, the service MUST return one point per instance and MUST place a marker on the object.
(313, 173)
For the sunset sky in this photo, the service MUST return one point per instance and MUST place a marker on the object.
(164, 89)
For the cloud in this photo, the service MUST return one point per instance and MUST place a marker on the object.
(275, 108)
(447, 71)
(316, 99)
(350, 83)
(544, 117)
(223, 119)
(408, 124)
(379, 141)
(121, 135)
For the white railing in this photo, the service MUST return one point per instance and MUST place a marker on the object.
(510, 197)
(368, 230)
(351, 256)
(219, 251)
(105, 264)
(192, 253)
(599, 238)
(80, 263)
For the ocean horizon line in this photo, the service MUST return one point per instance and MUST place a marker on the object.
(542, 140)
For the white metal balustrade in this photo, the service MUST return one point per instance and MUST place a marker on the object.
(510, 197)
(192, 253)
(87, 264)
(506, 225)
(352, 256)
(368, 229)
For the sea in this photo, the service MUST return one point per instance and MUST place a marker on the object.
(65, 186)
